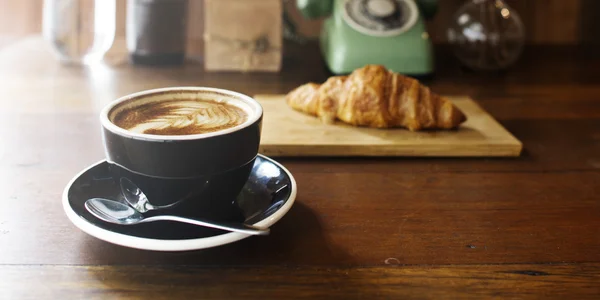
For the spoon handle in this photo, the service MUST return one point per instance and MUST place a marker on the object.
(242, 228)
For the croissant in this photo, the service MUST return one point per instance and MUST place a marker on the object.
(373, 96)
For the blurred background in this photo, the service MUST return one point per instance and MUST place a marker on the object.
(554, 22)
(546, 21)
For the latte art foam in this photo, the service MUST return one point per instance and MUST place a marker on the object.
(180, 117)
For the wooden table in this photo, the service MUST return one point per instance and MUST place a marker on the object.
(400, 228)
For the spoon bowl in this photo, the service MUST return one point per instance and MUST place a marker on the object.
(119, 213)
(137, 199)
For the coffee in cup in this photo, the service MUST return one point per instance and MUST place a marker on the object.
(189, 149)
(178, 116)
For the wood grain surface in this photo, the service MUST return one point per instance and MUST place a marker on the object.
(287, 132)
(526, 227)
(391, 281)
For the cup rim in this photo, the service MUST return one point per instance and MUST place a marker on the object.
(109, 125)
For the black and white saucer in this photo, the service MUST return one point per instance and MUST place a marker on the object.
(267, 196)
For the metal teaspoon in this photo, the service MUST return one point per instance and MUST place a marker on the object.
(118, 213)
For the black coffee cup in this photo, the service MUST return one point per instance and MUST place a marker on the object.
(195, 175)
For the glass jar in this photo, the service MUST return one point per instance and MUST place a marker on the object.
(486, 34)
(79, 31)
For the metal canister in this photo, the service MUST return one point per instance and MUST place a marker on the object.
(156, 31)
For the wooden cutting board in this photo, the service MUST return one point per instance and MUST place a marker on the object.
(287, 132)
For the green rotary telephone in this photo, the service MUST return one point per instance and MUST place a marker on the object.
(391, 33)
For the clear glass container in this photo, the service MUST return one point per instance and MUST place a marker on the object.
(486, 34)
(79, 31)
